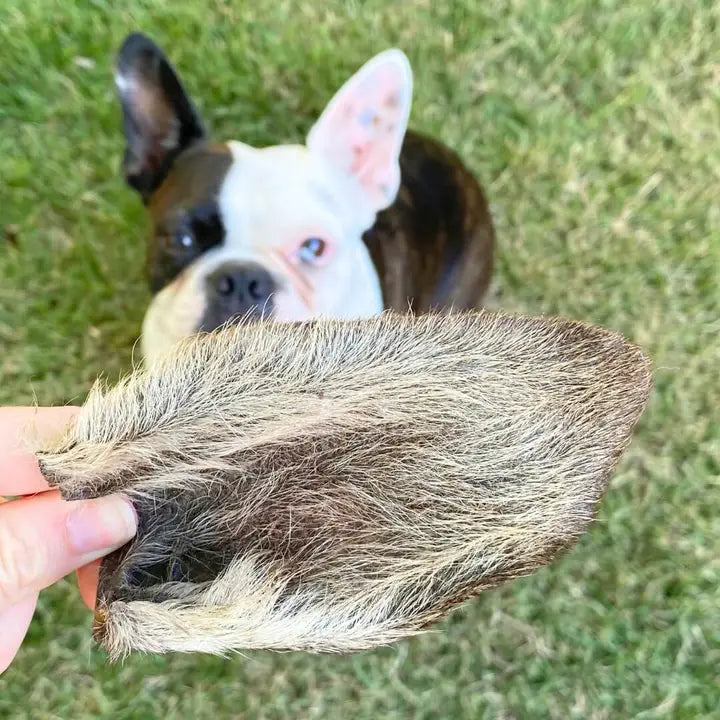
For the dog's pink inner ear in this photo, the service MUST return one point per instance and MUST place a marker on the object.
(361, 130)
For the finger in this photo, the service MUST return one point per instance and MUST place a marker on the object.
(14, 623)
(87, 582)
(43, 538)
(19, 472)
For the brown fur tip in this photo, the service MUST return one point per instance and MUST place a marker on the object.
(99, 619)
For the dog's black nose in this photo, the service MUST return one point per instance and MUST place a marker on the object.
(246, 284)
(236, 291)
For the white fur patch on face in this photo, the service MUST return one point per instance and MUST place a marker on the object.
(276, 198)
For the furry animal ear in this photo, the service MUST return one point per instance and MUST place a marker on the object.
(333, 486)
(362, 129)
(159, 118)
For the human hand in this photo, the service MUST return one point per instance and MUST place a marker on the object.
(43, 537)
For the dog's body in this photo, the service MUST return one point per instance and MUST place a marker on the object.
(365, 217)
(433, 247)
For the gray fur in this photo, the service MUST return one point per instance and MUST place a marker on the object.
(333, 486)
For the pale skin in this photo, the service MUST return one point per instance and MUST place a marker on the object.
(43, 538)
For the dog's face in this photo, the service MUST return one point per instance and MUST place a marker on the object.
(247, 233)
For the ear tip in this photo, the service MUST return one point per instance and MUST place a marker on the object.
(395, 56)
(134, 44)
(136, 40)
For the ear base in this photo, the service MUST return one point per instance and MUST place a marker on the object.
(159, 119)
(361, 130)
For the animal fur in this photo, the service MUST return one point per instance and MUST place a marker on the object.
(333, 486)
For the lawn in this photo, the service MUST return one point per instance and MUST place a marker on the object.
(595, 127)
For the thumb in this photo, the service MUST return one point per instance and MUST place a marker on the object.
(43, 538)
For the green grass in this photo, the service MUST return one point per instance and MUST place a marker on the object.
(596, 129)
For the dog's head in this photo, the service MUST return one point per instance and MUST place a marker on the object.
(241, 232)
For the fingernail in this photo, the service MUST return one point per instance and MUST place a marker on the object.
(101, 524)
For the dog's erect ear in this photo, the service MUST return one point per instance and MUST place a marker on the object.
(159, 119)
(362, 129)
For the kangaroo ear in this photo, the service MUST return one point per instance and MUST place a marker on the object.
(362, 129)
(158, 117)
(337, 485)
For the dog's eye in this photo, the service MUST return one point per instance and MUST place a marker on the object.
(312, 249)
(183, 239)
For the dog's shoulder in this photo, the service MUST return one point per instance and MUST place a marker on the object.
(439, 228)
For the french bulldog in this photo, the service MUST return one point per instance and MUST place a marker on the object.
(366, 216)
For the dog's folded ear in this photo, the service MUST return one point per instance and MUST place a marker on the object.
(361, 130)
(159, 118)
(333, 486)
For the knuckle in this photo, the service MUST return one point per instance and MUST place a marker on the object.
(21, 562)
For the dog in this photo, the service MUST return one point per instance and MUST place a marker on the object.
(365, 216)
